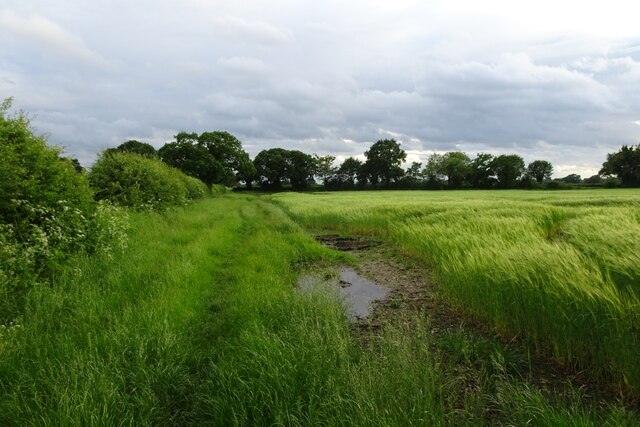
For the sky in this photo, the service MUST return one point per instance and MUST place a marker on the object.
(553, 80)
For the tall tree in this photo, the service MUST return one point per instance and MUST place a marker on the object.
(414, 172)
(481, 175)
(277, 166)
(246, 172)
(625, 164)
(133, 146)
(456, 166)
(433, 170)
(300, 169)
(540, 170)
(227, 150)
(193, 160)
(349, 171)
(509, 169)
(324, 167)
(383, 161)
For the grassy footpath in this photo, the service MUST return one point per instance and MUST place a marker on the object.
(198, 323)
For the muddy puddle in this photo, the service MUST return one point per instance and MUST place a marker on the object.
(342, 243)
(354, 291)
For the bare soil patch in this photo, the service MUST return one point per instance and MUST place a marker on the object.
(343, 243)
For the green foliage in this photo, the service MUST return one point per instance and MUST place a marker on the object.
(47, 213)
(227, 150)
(271, 167)
(482, 174)
(540, 170)
(213, 157)
(383, 162)
(324, 167)
(453, 167)
(198, 323)
(456, 165)
(508, 169)
(593, 180)
(140, 183)
(301, 168)
(133, 146)
(572, 179)
(558, 270)
(34, 176)
(625, 164)
(193, 160)
(218, 190)
(346, 174)
(433, 170)
(277, 166)
(196, 189)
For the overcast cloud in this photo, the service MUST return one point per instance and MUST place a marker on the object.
(547, 80)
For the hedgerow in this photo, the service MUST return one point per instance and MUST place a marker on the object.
(141, 183)
(47, 212)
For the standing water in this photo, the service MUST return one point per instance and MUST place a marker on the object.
(356, 293)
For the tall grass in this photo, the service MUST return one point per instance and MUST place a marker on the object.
(198, 322)
(559, 270)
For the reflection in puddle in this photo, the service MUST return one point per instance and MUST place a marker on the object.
(356, 292)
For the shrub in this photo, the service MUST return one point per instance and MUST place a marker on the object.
(217, 189)
(196, 189)
(37, 186)
(141, 183)
(47, 212)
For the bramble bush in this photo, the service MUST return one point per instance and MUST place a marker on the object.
(142, 183)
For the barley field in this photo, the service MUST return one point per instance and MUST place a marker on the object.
(559, 271)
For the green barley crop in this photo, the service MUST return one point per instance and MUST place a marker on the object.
(559, 270)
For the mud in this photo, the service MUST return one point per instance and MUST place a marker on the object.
(342, 243)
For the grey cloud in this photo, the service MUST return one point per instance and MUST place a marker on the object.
(47, 33)
(243, 65)
(251, 31)
(307, 77)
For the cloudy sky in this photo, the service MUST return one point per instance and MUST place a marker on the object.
(550, 79)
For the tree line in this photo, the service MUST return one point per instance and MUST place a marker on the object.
(219, 158)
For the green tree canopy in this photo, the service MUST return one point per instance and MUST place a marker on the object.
(271, 167)
(456, 166)
(383, 161)
(625, 164)
(277, 166)
(349, 171)
(324, 167)
(434, 169)
(481, 172)
(414, 172)
(137, 147)
(227, 150)
(193, 160)
(540, 170)
(301, 168)
(508, 169)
